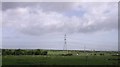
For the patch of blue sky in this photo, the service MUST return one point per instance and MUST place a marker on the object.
(78, 13)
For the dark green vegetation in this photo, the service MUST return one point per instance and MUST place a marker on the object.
(58, 57)
(23, 52)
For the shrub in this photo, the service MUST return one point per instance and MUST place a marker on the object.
(101, 54)
(69, 54)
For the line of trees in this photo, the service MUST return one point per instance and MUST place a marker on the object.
(23, 52)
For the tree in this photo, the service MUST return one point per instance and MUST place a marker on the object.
(23, 52)
(38, 52)
(18, 52)
(30, 52)
(4, 52)
(44, 53)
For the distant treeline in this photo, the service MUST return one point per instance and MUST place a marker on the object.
(45, 52)
(24, 52)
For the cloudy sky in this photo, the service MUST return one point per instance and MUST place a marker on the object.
(33, 25)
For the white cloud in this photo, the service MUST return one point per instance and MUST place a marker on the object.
(36, 21)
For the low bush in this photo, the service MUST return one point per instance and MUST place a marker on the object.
(69, 54)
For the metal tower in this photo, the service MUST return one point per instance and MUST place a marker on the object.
(84, 48)
(65, 43)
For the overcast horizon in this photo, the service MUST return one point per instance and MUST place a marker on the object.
(42, 25)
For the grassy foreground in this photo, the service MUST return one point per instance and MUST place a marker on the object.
(54, 57)
(59, 60)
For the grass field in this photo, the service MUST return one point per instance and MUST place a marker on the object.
(58, 60)
(53, 58)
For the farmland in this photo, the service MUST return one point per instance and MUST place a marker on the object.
(55, 57)
(58, 60)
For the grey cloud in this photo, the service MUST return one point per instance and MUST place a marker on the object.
(47, 18)
(12, 5)
(46, 6)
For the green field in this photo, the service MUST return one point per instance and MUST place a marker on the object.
(54, 58)
(58, 60)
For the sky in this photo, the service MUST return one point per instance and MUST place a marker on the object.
(42, 25)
